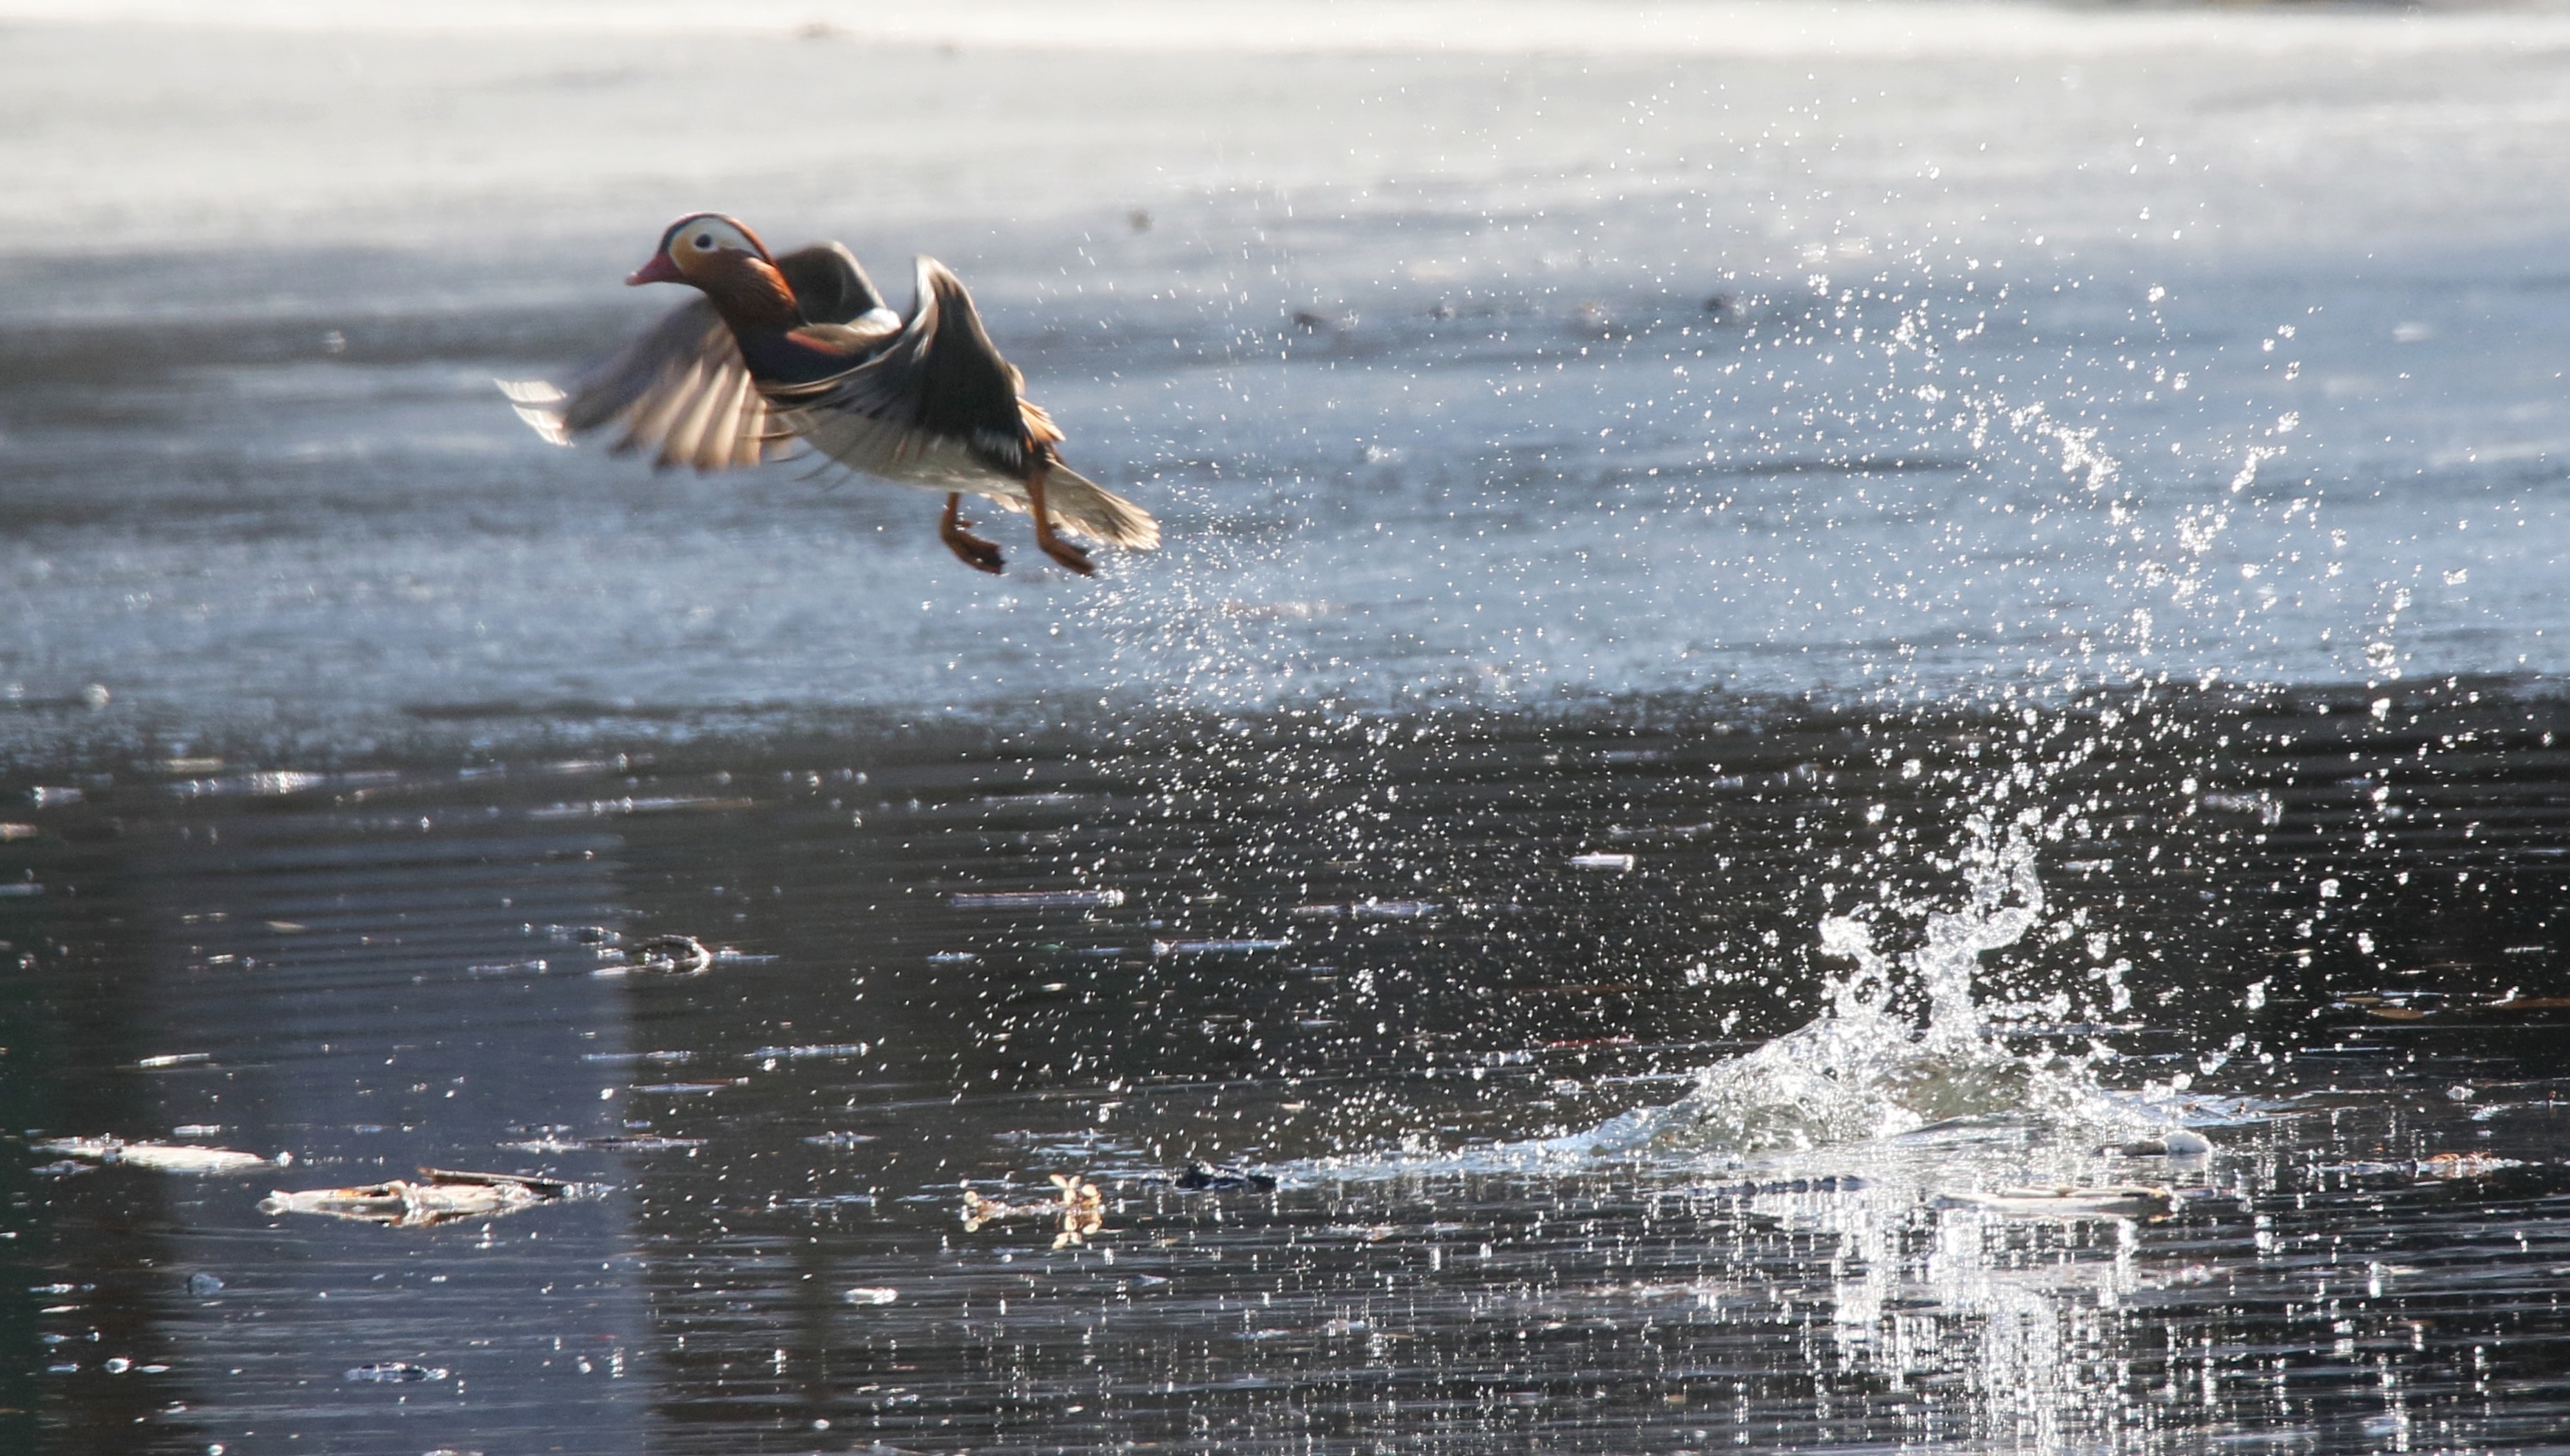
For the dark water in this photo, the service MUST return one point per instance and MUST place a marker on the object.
(1352, 956)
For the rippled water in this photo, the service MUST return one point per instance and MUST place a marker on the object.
(1848, 742)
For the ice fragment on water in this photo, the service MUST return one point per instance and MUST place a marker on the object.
(396, 1373)
(872, 1294)
(162, 1157)
(1603, 861)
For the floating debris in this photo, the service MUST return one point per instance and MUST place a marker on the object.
(440, 1195)
(177, 1060)
(870, 1295)
(603, 1145)
(2177, 1144)
(396, 1373)
(1036, 899)
(1784, 1188)
(506, 967)
(690, 1088)
(1214, 947)
(2261, 805)
(1618, 862)
(954, 957)
(602, 808)
(2110, 1201)
(204, 1286)
(817, 1049)
(163, 1157)
(840, 1140)
(1209, 1177)
(1081, 1211)
(1369, 910)
(2445, 1166)
(680, 954)
(627, 1058)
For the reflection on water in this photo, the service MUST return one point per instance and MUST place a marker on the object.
(1662, 1077)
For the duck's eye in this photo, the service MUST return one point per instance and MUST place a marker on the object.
(705, 239)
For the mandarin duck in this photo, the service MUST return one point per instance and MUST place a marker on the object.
(800, 349)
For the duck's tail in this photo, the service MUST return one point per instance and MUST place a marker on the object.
(1082, 506)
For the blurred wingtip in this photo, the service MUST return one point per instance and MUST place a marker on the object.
(540, 405)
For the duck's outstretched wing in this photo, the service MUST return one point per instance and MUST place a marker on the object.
(680, 389)
(936, 404)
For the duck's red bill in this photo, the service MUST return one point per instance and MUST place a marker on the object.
(659, 270)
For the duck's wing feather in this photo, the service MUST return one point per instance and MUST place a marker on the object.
(937, 402)
(938, 388)
(678, 391)
(830, 285)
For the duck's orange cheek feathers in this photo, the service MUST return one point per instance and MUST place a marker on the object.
(659, 270)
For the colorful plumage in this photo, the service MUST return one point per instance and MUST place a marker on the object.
(801, 350)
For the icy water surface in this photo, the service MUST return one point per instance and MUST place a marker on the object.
(1847, 741)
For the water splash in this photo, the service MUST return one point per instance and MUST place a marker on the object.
(1911, 1044)
(1863, 1070)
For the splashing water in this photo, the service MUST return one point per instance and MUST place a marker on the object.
(1866, 1070)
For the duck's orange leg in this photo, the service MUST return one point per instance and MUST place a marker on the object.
(970, 550)
(1054, 545)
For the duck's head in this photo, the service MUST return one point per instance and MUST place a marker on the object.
(702, 248)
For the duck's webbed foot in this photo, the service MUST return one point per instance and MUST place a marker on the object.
(970, 550)
(1072, 558)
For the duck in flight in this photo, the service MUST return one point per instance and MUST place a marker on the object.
(800, 349)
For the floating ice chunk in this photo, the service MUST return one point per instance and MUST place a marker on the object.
(817, 1049)
(872, 1294)
(163, 1157)
(1214, 947)
(1618, 862)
